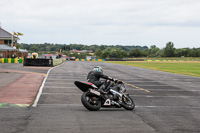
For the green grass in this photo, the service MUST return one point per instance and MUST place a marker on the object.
(180, 67)
(169, 58)
(57, 62)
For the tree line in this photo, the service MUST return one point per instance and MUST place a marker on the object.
(113, 51)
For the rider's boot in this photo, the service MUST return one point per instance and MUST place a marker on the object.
(101, 89)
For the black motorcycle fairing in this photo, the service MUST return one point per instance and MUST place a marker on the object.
(84, 86)
(116, 96)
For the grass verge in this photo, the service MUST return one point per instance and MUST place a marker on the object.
(13, 105)
(169, 58)
(185, 68)
(57, 62)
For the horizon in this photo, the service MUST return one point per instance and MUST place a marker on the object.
(103, 44)
(113, 22)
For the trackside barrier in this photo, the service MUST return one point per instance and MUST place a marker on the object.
(15, 60)
(20, 60)
(6, 60)
(11, 60)
(38, 62)
(89, 59)
(2, 60)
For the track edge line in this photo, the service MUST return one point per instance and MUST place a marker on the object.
(42, 86)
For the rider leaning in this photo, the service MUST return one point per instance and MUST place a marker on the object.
(95, 75)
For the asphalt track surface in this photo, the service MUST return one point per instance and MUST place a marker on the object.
(165, 103)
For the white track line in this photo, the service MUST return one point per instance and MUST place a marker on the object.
(64, 79)
(60, 83)
(60, 105)
(42, 86)
(53, 87)
(68, 93)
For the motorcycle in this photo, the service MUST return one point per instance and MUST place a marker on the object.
(115, 96)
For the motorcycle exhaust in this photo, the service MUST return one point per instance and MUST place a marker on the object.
(95, 92)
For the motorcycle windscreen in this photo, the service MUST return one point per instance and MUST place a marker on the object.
(82, 86)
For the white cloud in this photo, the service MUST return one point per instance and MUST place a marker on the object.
(124, 22)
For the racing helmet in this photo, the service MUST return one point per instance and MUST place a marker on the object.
(98, 69)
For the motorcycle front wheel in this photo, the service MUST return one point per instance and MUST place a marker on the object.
(90, 101)
(127, 102)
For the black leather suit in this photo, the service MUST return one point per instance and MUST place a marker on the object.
(94, 77)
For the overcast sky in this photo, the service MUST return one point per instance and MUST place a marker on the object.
(109, 22)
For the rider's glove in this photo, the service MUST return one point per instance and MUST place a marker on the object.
(115, 80)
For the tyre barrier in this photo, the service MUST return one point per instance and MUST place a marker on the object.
(89, 59)
(38, 62)
(11, 60)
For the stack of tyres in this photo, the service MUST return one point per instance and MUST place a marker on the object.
(2, 60)
(6, 60)
(15, 60)
(12, 60)
(9, 60)
(20, 61)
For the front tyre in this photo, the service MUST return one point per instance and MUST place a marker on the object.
(90, 101)
(127, 102)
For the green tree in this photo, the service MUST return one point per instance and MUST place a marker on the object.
(34, 49)
(152, 51)
(198, 53)
(160, 53)
(98, 53)
(113, 53)
(169, 50)
(178, 53)
(106, 53)
(47, 48)
(143, 53)
(135, 53)
(93, 47)
(121, 53)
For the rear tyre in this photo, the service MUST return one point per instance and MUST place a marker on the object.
(127, 102)
(88, 101)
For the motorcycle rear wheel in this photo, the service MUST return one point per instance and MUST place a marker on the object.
(128, 103)
(86, 101)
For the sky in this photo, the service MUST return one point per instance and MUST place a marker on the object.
(108, 22)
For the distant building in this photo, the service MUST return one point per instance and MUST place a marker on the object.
(49, 56)
(23, 53)
(6, 38)
(86, 51)
(80, 51)
(7, 45)
(75, 51)
(7, 51)
(90, 57)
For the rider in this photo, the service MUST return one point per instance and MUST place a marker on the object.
(94, 77)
